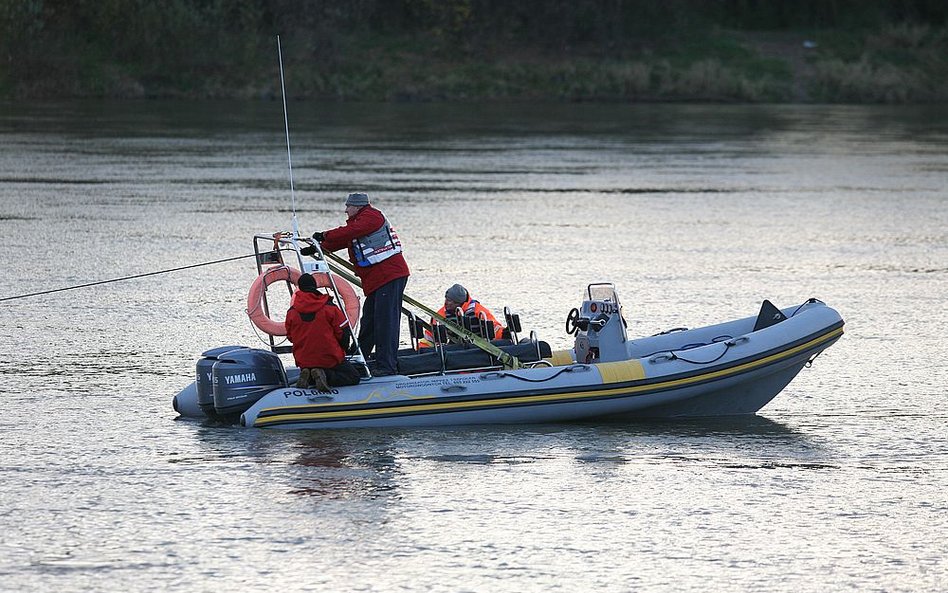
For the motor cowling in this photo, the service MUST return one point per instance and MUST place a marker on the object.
(241, 377)
(204, 378)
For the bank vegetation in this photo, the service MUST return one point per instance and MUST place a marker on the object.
(479, 50)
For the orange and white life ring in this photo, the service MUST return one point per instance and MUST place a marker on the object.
(258, 314)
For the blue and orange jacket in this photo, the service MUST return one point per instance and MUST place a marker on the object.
(470, 307)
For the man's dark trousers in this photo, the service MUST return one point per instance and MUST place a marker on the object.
(381, 320)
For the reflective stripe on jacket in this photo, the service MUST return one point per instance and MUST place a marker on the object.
(376, 247)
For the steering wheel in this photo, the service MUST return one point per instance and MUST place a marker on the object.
(571, 319)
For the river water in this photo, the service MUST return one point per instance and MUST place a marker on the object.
(696, 213)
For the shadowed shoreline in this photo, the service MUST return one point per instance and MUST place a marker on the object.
(478, 51)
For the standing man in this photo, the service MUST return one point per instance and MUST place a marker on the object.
(376, 253)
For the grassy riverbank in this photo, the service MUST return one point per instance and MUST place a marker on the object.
(897, 64)
(464, 50)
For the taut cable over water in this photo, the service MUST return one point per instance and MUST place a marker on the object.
(123, 278)
(134, 276)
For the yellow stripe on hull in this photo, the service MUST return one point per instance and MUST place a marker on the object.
(621, 371)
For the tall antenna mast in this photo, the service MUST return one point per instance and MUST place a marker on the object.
(289, 157)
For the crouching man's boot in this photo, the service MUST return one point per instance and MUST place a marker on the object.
(305, 378)
(318, 377)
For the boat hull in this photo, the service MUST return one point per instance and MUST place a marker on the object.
(724, 392)
(723, 377)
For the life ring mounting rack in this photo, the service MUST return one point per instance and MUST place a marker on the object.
(272, 268)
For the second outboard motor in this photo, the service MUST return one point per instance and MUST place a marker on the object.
(204, 378)
(243, 376)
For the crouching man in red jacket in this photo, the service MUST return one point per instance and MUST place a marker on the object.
(320, 335)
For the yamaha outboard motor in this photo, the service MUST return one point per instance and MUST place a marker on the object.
(204, 379)
(241, 377)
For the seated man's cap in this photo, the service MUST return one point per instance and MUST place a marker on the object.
(456, 293)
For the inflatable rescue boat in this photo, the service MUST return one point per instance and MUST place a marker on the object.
(731, 368)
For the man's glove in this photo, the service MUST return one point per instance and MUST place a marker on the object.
(319, 236)
(308, 250)
(346, 342)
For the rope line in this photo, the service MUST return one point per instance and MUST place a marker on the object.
(716, 340)
(569, 369)
(208, 263)
(727, 346)
(809, 301)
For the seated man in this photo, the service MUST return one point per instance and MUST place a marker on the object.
(458, 298)
(320, 335)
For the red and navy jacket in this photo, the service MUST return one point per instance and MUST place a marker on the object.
(315, 326)
(366, 221)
